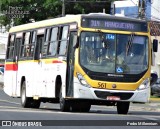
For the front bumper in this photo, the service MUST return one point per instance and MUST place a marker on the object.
(82, 92)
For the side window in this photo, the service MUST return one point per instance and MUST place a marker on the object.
(39, 43)
(17, 46)
(25, 47)
(53, 42)
(32, 43)
(18, 42)
(46, 41)
(63, 42)
(10, 49)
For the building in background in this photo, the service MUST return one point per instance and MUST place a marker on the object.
(148, 9)
(3, 41)
(127, 8)
(145, 9)
(3, 44)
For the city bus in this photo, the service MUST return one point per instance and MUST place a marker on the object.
(79, 61)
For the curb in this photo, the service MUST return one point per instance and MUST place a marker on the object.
(154, 99)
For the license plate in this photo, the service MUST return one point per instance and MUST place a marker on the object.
(113, 98)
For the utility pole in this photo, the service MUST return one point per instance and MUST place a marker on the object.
(63, 7)
(142, 6)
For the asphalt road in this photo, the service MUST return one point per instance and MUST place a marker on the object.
(10, 109)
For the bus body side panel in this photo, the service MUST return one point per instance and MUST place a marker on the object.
(41, 77)
(63, 75)
(26, 71)
(57, 68)
(52, 69)
(49, 72)
(10, 83)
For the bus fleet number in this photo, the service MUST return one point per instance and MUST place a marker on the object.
(102, 85)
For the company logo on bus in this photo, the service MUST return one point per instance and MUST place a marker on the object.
(114, 86)
(115, 75)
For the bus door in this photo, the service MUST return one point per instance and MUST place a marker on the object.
(39, 75)
(70, 64)
(18, 41)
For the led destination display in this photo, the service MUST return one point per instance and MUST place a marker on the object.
(114, 24)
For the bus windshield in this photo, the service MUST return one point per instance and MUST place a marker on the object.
(114, 53)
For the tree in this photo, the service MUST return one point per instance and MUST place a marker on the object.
(22, 11)
(38, 10)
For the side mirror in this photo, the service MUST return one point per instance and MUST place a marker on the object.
(154, 78)
(155, 45)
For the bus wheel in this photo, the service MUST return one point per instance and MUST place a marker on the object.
(25, 101)
(122, 107)
(28, 102)
(86, 107)
(75, 107)
(80, 107)
(64, 104)
(35, 103)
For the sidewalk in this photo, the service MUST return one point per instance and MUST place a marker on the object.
(152, 106)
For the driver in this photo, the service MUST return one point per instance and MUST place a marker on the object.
(133, 56)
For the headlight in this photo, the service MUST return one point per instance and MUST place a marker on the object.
(82, 80)
(145, 84)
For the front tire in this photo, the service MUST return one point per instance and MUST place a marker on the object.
(80, 107)
(28, 102)
(122, 107)
(85, 107)
(64, 104)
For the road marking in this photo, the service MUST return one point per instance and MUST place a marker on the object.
(147, 117)
(1, 100)
(14, 109)
(151, 118)
(92, 113)
(6, 107)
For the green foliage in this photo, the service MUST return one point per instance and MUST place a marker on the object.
(45, 9)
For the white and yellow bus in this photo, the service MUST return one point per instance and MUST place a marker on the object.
(79, 61)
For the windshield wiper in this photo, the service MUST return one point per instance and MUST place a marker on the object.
(129, 44)
(103, 39)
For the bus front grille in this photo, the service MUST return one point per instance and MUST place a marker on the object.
(122, 95)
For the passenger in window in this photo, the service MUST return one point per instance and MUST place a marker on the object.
(90, 52)
(134, 55)
(27, 51)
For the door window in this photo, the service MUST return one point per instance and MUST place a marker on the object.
(63, 42)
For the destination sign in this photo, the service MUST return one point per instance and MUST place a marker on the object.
(114, 24)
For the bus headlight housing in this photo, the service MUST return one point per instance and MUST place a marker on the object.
(82, 80)
(145, 84)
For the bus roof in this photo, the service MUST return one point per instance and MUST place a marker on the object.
(44, 23)
(118, 17)
(68, 19)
